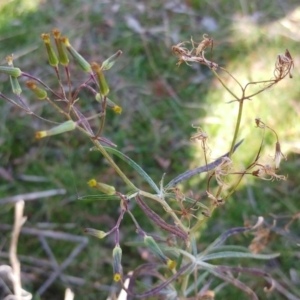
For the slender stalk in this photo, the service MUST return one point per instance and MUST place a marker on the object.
(237, 126)
(224, 85)
(114, 165)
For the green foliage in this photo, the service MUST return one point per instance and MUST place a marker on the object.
(153, 130)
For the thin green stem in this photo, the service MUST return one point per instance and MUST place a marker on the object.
(114, 165)
(109, 159)
(224, 85)
(237, 126)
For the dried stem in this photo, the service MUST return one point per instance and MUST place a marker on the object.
(19, 220)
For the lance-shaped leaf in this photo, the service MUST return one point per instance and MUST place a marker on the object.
(234, 254)
(135, 166)
(190, 173)
(158, 289)
(102, 197)
(224, 276)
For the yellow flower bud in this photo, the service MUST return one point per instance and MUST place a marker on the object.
(117, 267)
(64, 127)
(84, 65)
(117, 109)
(97, 233)
(110, 104)
(53, 60)
(152, 245)
(62, 54)
(40, 93)
(104, 188)
(104, 89)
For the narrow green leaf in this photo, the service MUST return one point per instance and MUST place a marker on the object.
(200, 280)
(222, 238)
(234, 281)
(135, 166)
(227, 248)
(99, 197)
(190, 173)
(233, 254)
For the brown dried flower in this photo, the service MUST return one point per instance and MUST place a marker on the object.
(223, 169)
(284, 65)
(266, 172)
(278, 155)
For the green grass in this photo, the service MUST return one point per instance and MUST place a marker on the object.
(152, 122)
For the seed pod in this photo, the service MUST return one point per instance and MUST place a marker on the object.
(53, 60)
(83, 64)
(64, 127)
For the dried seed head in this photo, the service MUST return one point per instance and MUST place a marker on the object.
(284, 65)
(262, 238)
(278, 156)
(206, 42)
(216, 201)
(200, 135)
(186, 55)
(259, 123)
(266, 172)
(223, 169)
